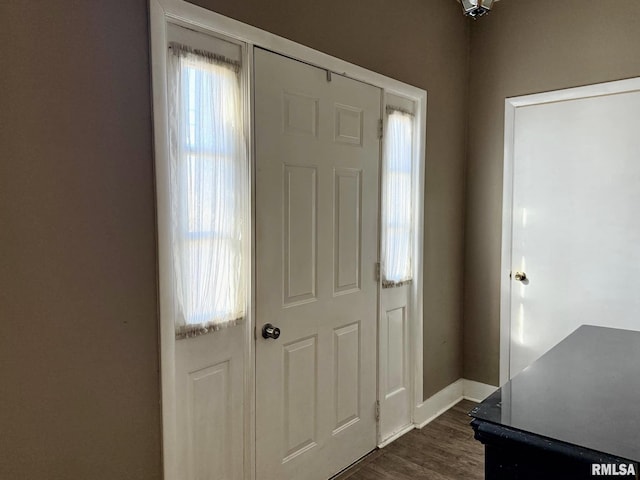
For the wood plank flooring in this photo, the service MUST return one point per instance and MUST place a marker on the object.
(443, 450)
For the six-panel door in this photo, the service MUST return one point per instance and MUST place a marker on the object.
(317, 161)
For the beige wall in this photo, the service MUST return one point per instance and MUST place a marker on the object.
(423, 43)
(79, 381)
(79, 384)
(525, 47)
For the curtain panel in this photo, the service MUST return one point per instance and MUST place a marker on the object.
(209, 190)
(397, 199)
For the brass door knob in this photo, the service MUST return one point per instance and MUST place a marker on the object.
(520, 276)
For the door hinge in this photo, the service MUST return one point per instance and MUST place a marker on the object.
(380, 128)
(377, 267)
(377, 409)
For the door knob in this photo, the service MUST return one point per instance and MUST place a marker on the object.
(520, 276)
(269, 331)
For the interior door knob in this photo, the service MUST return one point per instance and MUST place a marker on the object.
(269, 331)
(520, 276)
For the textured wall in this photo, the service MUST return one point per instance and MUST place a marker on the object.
(79, 383)
(424, 43)
(525, 47)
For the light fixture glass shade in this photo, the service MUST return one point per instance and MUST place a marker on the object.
(469, 5)
(476, 8)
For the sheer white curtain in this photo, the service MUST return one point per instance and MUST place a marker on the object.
(209, 190)
(397, 199)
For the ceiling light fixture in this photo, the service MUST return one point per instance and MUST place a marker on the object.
(476, 8)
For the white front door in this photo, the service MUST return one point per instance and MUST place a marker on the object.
(576, 225)
(317, 157)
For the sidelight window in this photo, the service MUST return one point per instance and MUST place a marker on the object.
(209, 190)
(397, 199)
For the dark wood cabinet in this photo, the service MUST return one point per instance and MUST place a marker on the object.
(573, 414)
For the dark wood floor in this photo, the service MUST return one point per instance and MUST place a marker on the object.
(442, 450)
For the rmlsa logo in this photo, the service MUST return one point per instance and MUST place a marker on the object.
(613, 469)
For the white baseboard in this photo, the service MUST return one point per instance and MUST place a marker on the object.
(439, 403)
(476, 391)
(446, 398)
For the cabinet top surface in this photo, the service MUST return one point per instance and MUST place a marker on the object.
(585, 391)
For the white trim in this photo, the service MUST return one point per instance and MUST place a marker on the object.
(166, 302)
(586, 91)
(198, 18)
(476, 391)
(505, 263)
(208, 21)
(417, 294)
(249, 346)
(511, 105)
(439, 403)
(396, 435)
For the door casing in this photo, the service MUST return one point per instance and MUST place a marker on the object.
(180, 12)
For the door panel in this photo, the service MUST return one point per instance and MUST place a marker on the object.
(395, 382)
(300, 206)
(576, 188)
(346, 375)
(209, 393)
(347, 207)
(396, 335)
(300, 408)
(317, 156)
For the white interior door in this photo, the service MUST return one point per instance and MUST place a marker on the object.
(317, 156)
(576, 227)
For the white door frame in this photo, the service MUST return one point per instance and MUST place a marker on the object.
(182, 13)
(511, 105)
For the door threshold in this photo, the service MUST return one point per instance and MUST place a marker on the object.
(406, 429)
